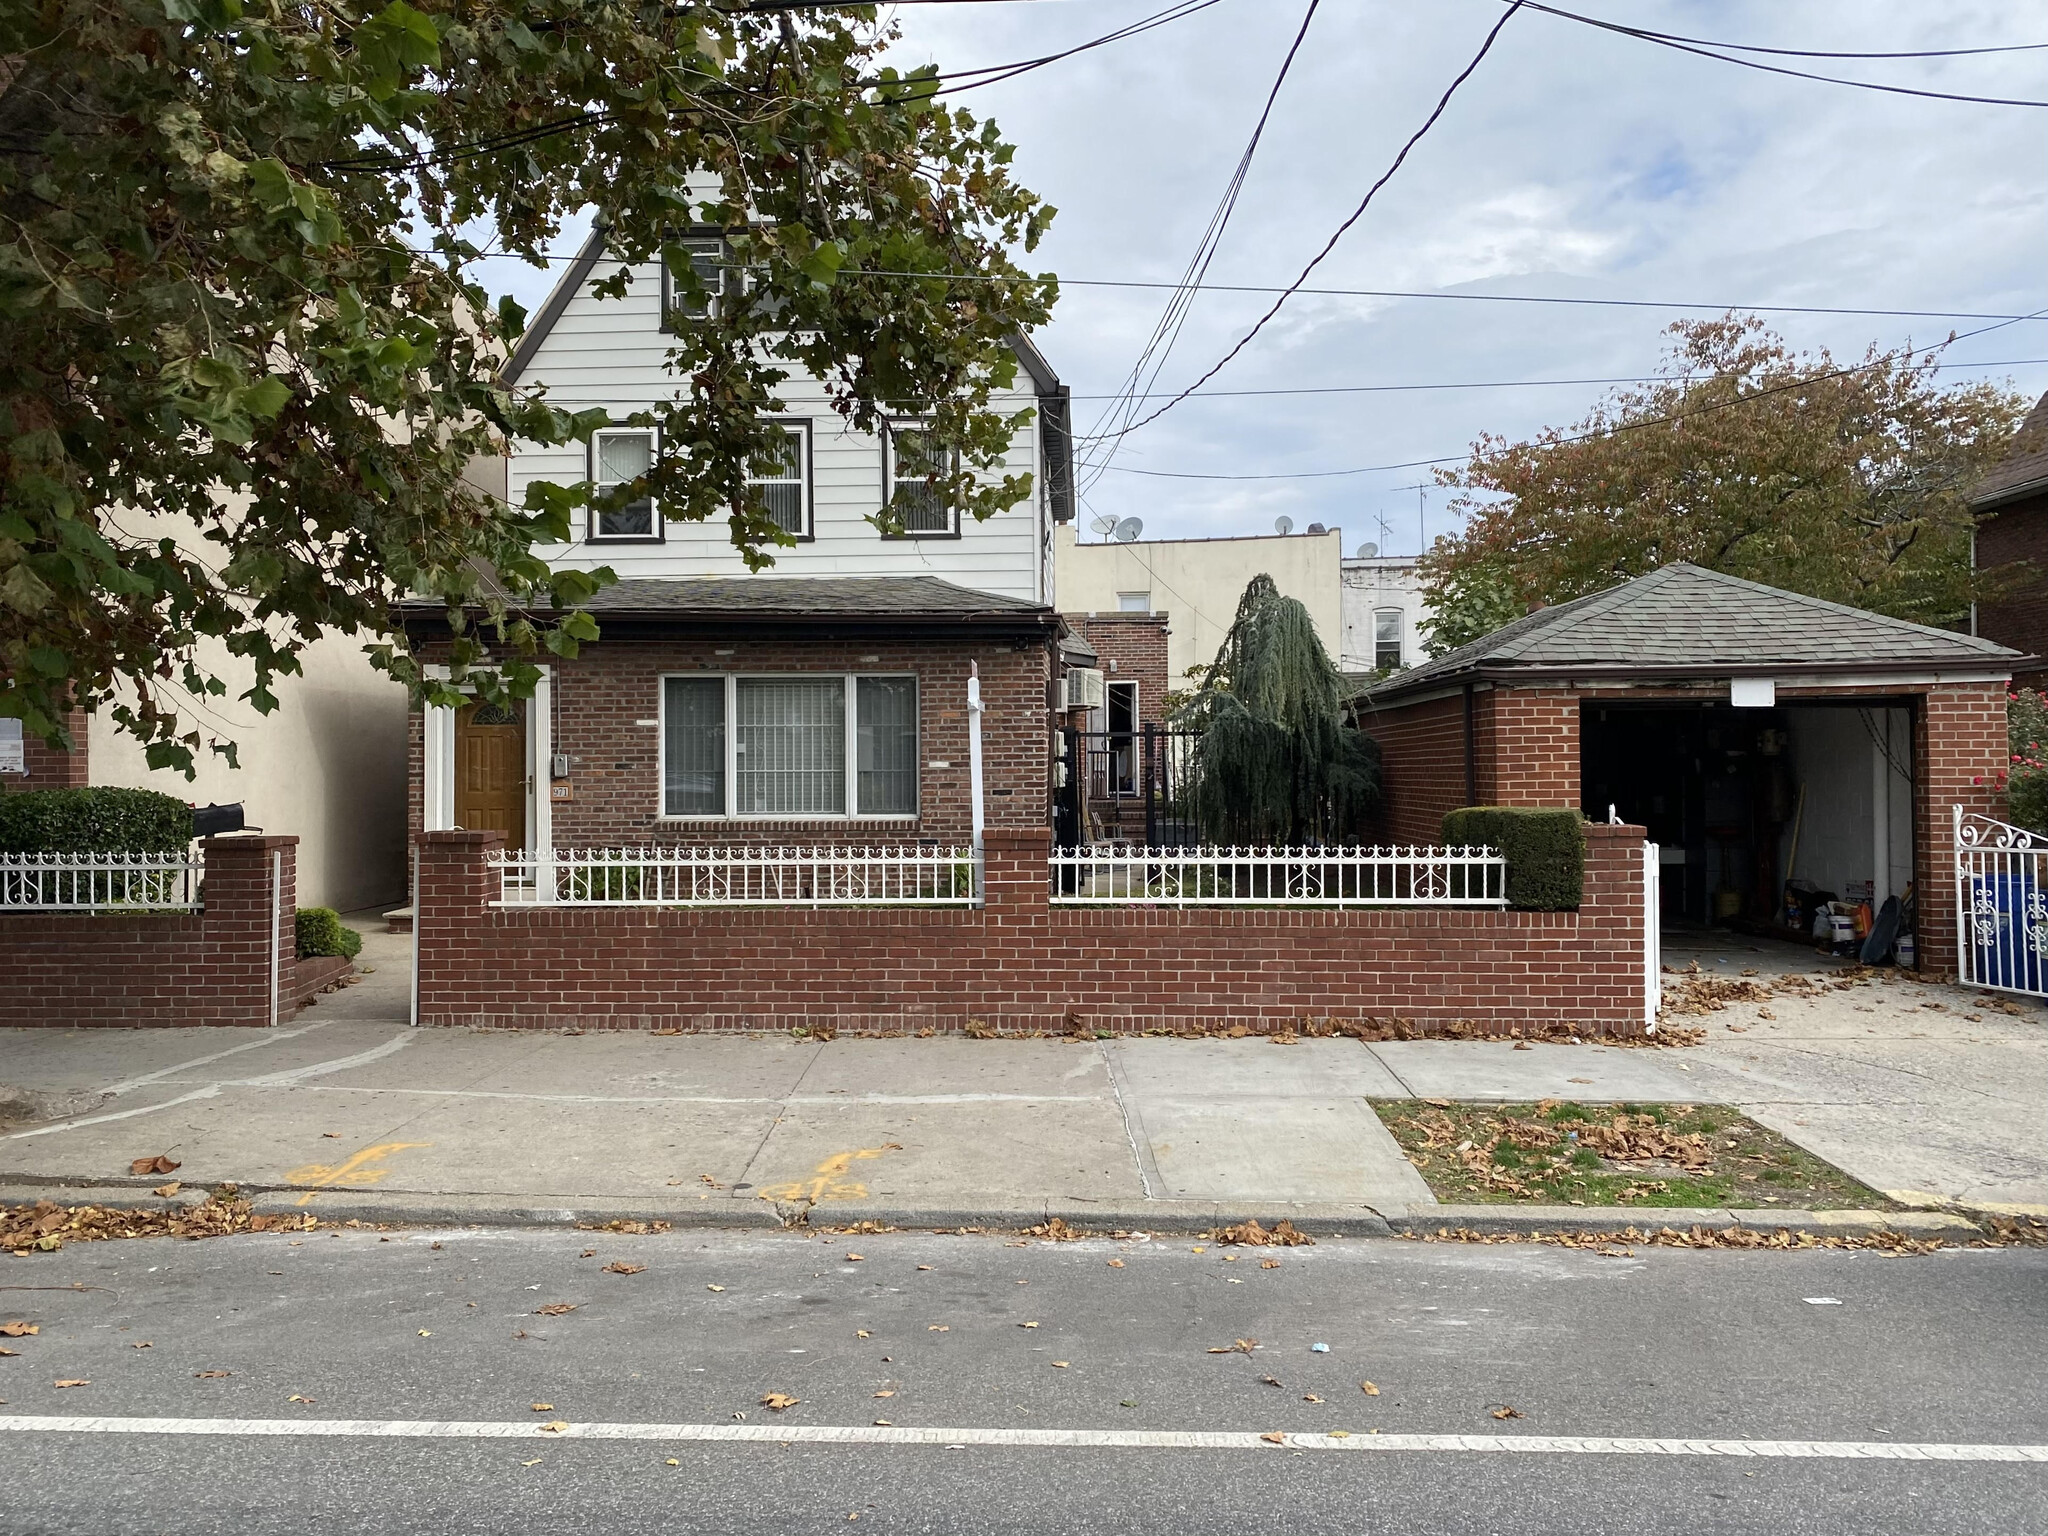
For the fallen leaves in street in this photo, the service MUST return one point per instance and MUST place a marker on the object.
(1274, 1437)
(588, 1253)
(889, 1393)
(714, 1287)
(621, 1267)
(1505, 1412)
(1060, 1365)
(9, 1351)
(2026, 1230)
(1272, 1381)
(630, 1228)
(47, 1226)
(1368, 1389)
(543, 1407)
(555, 1309)
(855, 1258)
(72, 1382)
(211, 1375)
(19, 1330)
(296, 1398)
(779, 1401)
(157, 1164)
(1116, 1263)
(554, 1426)
(142, 1344)
(1251, 1234)
(1311, 1398)
(1781, 1239)
(1239, 1347)
(1027, 1325)
(939, 1328)
(1054, 1230)
(165, 1191)
(861, 1333)
(1269, 1263)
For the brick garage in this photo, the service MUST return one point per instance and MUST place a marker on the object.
(1591, 704)
(602, 705)
(1020, 963)
(168, 970)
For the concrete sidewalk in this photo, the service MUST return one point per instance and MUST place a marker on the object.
(1934, 1105)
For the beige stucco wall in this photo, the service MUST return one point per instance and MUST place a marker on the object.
(327, 765)
(1197, 583)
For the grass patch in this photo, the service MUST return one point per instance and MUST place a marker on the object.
(1563, 1153)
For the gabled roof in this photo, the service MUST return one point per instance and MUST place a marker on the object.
(799, 604)
(2024, 469)
(1685, 620)
(1053, 397)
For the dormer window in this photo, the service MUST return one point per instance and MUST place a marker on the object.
(711, 263)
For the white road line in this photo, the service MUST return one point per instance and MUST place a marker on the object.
(1009, 1439)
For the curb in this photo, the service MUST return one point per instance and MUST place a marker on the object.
(1527, 1219)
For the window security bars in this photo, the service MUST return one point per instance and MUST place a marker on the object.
(1279, 877)
(99, 882)
(737, 876)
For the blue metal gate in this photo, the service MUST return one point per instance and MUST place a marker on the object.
(2001, 905)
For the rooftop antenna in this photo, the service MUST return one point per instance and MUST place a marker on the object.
(1382, 522)
(1128, 529)
(1283, 525)
(1368, 551)
(1103, 524)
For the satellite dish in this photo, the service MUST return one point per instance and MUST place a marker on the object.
(1103, 524)
(1368, 551)
(1317, 528)
(1283, 525)
(1128, 529)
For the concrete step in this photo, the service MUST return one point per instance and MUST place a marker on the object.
(398, 920)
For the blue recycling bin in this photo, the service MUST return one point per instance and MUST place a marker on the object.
(2009, 955)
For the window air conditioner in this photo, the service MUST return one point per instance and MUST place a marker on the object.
(1084, 688)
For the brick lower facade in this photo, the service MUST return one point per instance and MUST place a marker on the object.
(604, 703)
(233, 963)
(1020, 963)
(1524, 751)
(51, 767)
(1132, 647)
(2012, 548)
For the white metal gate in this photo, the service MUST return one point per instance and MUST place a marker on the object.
(2001, 905)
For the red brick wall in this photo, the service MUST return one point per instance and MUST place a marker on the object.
(49, 768)
(615, 763)
(1020, 963)
(162, 969)
(1959, 747)
(1422, 766)
(2012, 543)
(1529, 747)
(1133, 649)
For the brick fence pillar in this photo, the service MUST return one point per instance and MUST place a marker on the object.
(450, 902)
(1960, 749)
(1613, 914)
(250, 939)
(1016, 877)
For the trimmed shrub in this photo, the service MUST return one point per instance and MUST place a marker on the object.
(94, 821)
(1545, 850)
(2026, 780)
(322, 932)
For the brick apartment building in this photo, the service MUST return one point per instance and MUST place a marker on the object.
(2011, 507)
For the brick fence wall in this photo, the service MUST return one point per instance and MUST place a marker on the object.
(1020, 963)
(86, 970)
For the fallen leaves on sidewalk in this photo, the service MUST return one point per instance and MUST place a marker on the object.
(157, 1164)
(165, 1191)
(47, 1226)
(779, 1401)
(621, 1267)
(1251, 1234)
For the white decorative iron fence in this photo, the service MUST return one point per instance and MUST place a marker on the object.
(2001, 904)
(739, 876)
(99, 882)
(1297, 877)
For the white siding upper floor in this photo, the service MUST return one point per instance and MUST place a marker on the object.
(612, 353)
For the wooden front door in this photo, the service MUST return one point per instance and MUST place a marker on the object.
(490, 770)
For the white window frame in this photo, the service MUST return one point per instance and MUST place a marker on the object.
(657, 527)
(1124, 599)
(889, 431)
(851, 756)
(800, 428)
(672, 300)
(1400, 636)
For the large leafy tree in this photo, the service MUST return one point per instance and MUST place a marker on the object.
(1275, 760)
(1785, 468)
(244, 360)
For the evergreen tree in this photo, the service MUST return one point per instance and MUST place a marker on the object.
(1275, 761)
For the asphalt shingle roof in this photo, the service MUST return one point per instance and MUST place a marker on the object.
(2024, 467)
(851, 597)
(1686, 617)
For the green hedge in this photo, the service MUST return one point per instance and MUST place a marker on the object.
(322, 932)
(94, 821)
(1545, 849)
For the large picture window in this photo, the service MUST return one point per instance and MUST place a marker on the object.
(777, 747)
(619, 456)
(922, 509)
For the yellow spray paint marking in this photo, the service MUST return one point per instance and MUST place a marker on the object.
(356, 1170)
(828, 1181)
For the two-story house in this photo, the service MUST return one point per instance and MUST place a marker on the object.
(821, 700)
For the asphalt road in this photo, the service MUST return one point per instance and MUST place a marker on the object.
(1723, 1347)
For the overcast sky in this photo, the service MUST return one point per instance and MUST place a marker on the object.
(1574, 162)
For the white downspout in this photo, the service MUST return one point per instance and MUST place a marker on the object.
(974, 713)
(276, 929)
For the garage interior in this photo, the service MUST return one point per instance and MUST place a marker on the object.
(1743, 801)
